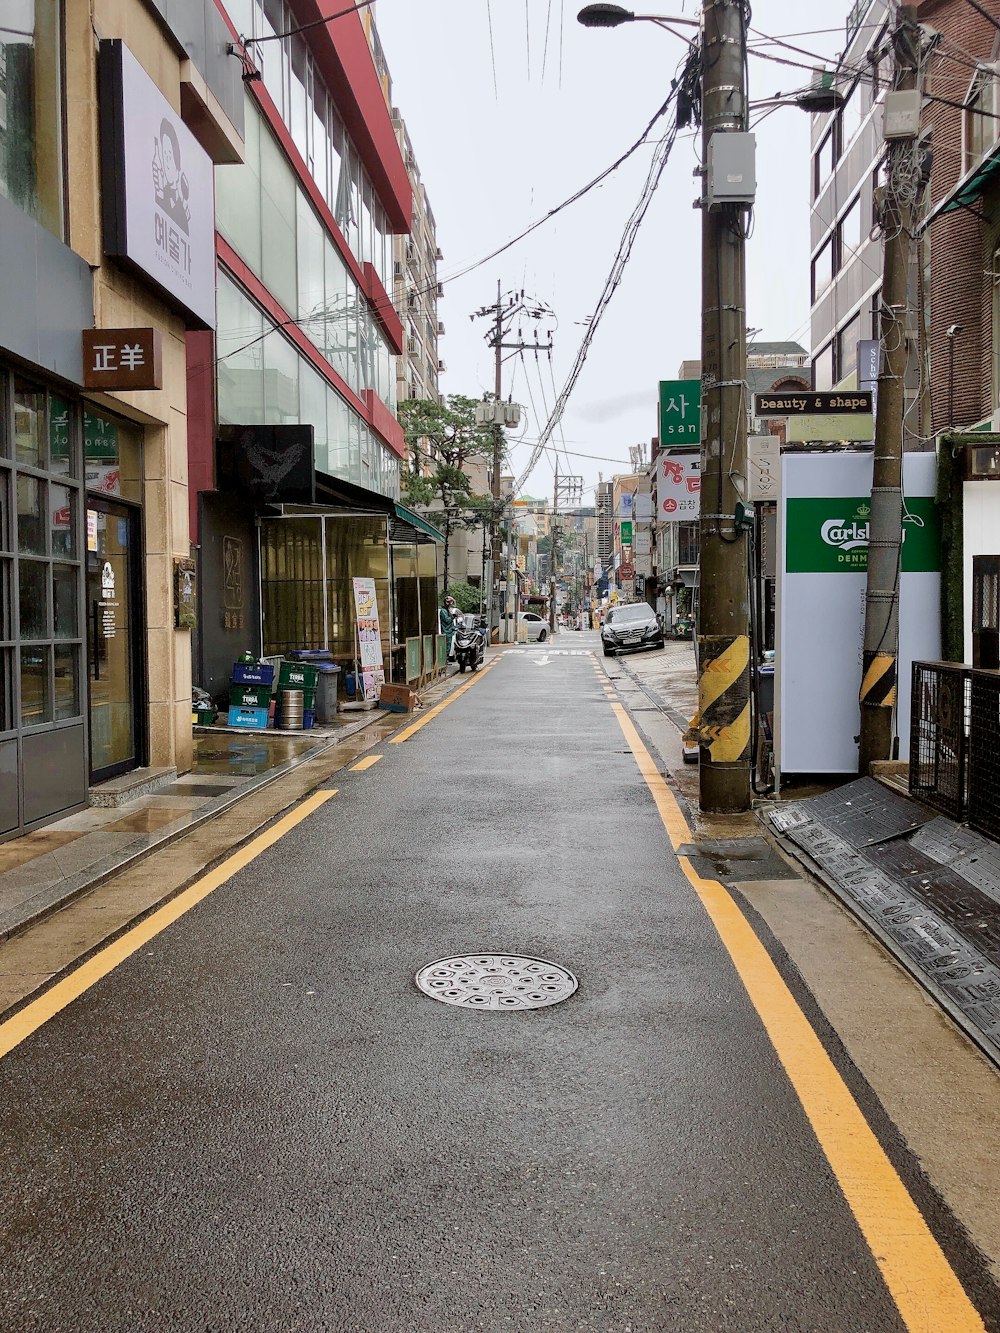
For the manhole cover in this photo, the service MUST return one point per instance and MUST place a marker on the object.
(496, 981)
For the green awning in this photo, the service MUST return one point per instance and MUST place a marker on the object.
(972, 186)
(416, 521)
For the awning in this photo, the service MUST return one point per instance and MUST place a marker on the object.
(971, 187)
(416, 521)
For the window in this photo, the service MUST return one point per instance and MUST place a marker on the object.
(981, 117)
(827, 155)
(850, 233)
(846, 346)
(854, 110)
(824, 266)
(823, 368)
(31, 161)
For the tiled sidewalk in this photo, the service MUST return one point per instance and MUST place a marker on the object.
(43, 870)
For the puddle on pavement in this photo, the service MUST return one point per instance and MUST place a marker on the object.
(246, 757)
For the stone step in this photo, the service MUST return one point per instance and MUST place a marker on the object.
(130, 786)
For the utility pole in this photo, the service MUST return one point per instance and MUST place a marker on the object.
(885, 533)
(503, 314)
(570, 490)
(723, 730)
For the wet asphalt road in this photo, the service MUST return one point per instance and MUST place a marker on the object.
(258, 1123)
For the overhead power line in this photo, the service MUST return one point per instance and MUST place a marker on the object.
(685, 82)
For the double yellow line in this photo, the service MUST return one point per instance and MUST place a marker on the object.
(927, 1293)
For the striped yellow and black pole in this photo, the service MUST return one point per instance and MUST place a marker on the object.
(722, 727)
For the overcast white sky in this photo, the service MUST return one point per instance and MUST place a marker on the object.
(494, 159)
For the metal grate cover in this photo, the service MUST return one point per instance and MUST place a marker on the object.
(496, 981)
(968, 853)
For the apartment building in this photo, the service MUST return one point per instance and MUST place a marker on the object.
(845, 241)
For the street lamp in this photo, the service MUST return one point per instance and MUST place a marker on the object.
(611, 16)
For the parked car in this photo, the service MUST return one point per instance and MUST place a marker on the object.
(632, 625)
(535, 627)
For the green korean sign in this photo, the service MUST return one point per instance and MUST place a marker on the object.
(680, 412)
(626, 532)
(829, 536)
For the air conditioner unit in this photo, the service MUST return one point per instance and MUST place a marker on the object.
(438, 254)
(397, 268)
(440, 289)
(440, 328)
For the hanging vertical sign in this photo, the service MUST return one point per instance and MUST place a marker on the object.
(371, 661)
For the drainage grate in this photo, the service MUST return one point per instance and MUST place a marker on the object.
(496, 981)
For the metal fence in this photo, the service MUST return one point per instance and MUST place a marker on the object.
(940, 715)
(984, 754)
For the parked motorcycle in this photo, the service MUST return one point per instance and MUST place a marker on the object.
(470, 645)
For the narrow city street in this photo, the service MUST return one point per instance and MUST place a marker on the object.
(254, 1119)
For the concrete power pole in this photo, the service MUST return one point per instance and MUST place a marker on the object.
(885, 533)
(724, 617)
(502, 314)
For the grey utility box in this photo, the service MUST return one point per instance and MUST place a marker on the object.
(730, 171)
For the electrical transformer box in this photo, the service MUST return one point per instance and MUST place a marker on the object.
(730, 169)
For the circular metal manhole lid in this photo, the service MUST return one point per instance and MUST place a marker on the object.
(496, 981)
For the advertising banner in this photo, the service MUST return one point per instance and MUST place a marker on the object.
(678, 488)
(626, 532)
(625, 505)
(823, 532)
(369, 638)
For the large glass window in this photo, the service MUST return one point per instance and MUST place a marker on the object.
(41, 627)
(826, 157)
(823, 268)
(31, 174)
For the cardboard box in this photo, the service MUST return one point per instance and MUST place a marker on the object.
(397, 698)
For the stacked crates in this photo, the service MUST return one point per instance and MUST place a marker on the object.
(298, 676)
(250, 695)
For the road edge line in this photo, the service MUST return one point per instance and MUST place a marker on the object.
(36, 1013)
(923, 1285)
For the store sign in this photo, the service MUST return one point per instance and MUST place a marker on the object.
(869, 360)
(764, 460)
(122, 359)
(788, 403)
(273, 464)
(626, 533)
(678, 489)
(157, 184)
(625, 505)
(680, 412)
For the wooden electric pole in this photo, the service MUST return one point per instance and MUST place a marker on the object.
(885, 533)
(724, 665)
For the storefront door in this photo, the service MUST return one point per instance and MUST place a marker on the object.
(114, 639)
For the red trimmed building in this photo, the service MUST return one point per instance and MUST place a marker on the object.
(306, 337)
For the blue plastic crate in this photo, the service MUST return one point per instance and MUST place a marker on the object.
(253, 673)
(253, 719)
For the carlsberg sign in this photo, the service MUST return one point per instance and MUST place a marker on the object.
(824, 536)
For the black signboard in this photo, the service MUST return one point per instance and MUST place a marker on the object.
(799, 403)
(273, 464)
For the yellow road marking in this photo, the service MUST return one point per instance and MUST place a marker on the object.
(407, 732)
(928, 1295)
(64, 992)
(368, 762)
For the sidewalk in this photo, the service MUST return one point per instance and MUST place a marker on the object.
(927, 888)
(41, 872)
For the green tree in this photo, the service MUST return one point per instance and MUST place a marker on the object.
(443, 438)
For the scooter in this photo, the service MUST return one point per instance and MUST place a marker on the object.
(470, 647)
